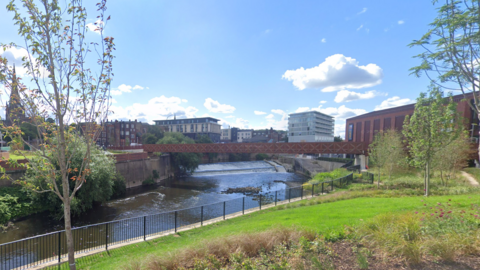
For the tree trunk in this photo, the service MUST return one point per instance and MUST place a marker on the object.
(68, 234)
(378, 181)
(427, 178)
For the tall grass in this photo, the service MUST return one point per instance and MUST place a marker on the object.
(443, 231)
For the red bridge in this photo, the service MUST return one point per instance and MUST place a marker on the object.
(358, 148)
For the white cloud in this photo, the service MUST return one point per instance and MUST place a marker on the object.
(241, 123)
(113, 100)
(339, 130)
(347, 96)
(268, 31)
(216, 107)
(363, 11)
(157, 108)
(259, 112)
(184, 100)
(323, 102)
(337, 72)
(360, 27)
(324, 40)
(96, 27)
(15, 57)
(123, 88)
(393, 102)
(302, 109)
(270, 116)
(230, 116)
(401, 22)
(278, 111)
(342, 112)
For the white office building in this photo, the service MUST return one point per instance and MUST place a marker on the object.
(310, 126)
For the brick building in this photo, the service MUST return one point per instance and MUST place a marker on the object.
(364, 127)
(121, 133)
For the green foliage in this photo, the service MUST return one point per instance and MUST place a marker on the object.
(185, 163)
(16, 202)
(326, 176)
(148, 181)
(261, 156)
(156, 131)
(238, 157)
(119, 186)
(337, 139)
(387, 151)
(149, 138)
(28, 131)
(97, 187)
(155, 174)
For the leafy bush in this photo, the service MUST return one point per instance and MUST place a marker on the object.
(17, 202)
(326, 176)
(155, 174)
(148, 181)
(261, 156)
(119, 186)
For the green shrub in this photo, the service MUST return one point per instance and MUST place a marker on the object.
(148, 181)
(261, 157)
(119, 186)
(155, 174)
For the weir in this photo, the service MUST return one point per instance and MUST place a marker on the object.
(234, 168)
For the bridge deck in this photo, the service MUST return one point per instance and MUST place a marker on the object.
(270, 148)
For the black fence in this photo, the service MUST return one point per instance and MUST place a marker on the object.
(52, 247)
(340, 160)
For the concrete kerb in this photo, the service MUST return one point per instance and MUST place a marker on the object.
(170, 232)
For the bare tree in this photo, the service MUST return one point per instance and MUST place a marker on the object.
(63, 86)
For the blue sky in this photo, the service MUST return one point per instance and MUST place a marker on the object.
(251, 63)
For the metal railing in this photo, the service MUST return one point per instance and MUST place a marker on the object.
(52, 247)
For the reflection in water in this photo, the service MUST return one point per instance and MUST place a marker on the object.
(174, 195)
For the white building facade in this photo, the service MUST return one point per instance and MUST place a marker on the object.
(243, 134)
(310, 126)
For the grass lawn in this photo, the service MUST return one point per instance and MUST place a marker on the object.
(321, 218)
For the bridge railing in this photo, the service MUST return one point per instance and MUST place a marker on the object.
(51, 248)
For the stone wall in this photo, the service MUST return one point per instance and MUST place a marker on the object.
(307, 167)
(137, 171)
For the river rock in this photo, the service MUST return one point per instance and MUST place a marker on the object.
(244, 190)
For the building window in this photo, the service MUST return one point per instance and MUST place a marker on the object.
(127, 126)
(127, 133)
(132, 136)
(121, 132)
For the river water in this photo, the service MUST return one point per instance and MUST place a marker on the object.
(205, 186)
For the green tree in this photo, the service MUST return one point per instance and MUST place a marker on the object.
(98, 186)
(431, 128)
(206, 139)
(387, 152)
(29, 131)
(67, 83)
(451, 51)
(149, 138)
(337, 139)
(185, 163)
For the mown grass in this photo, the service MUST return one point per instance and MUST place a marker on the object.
(317, 215)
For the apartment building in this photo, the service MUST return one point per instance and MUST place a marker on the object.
(193, 127)
(310, 126)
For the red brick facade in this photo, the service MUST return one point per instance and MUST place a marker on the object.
(363, 128)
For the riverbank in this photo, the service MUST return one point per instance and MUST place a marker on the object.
(314, 214)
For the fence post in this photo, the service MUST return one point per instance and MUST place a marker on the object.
(144, 228)
(260, 203)
(289, 194)
(243, 206)
(106, 236)
(201, 217)
(275, 198)
(224, 210)
(59, 246)
(313, 190)
(175, 221)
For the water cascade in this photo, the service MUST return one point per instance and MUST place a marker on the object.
(234, 168)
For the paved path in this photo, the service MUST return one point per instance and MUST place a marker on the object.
(470, 179)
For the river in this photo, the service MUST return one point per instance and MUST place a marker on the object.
(205, 186)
